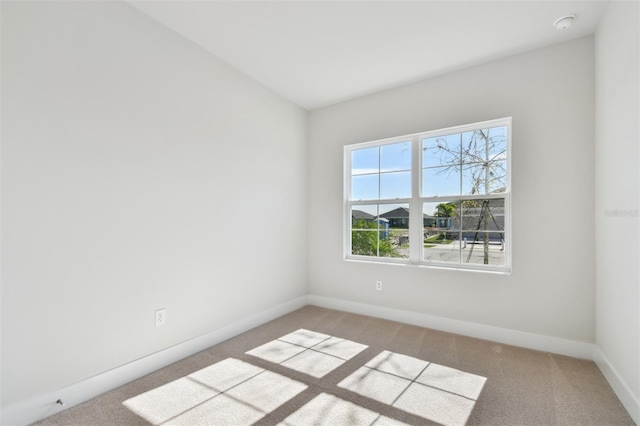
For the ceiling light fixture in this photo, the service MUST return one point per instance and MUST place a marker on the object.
(564, 22)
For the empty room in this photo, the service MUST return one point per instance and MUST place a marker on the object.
(320, 212)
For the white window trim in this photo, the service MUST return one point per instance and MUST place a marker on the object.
(416, 201)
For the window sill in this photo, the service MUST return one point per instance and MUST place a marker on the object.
(438, 266)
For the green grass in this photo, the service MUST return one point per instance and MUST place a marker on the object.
(437, 239)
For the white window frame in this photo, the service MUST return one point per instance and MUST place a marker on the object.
(416, 202)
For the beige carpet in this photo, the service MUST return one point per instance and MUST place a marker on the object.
(317, 366)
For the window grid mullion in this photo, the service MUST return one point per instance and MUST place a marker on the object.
(445, 198)
(416, 228)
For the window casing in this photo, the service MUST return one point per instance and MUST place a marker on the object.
(438, 198)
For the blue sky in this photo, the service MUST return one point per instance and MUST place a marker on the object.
(384, 172)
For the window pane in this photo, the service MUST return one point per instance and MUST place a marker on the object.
(439, 181)
(483, 215)
(473, 146)
(498, 143)
(395, 185)
(441, 216)
(364, 187)
(365, 161)
(484, 178)
(396, 243)
(441, 231)
(484, 145)
(484, 248)
(396, 214)
(364, 243)
(442, 247)
(386, 235)
(441, 150)
(363, 216)
(395, 157)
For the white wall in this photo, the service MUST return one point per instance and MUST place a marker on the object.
(617, 227)
(138, 172)
(550, 95)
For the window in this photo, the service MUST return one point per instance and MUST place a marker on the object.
(437, 198)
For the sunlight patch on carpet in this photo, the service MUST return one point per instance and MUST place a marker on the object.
(165, 402)
(228, 392)
(435, 392)
(308, 352)
(238, 393)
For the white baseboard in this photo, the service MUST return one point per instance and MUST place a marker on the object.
(502, 335)
(619, 386)
(486, 332)
(44, 405)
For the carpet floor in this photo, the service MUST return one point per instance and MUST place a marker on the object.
(318, 366)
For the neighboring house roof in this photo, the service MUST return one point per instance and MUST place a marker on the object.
(399, 213)
(359, 214)
(402, 213)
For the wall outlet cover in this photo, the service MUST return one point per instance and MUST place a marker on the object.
(161, 317)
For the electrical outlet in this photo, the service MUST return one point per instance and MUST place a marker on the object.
(379, 285)
(161, 317)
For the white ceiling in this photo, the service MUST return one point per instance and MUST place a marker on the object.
(317, 53)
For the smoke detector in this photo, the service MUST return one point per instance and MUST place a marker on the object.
(564, 22)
